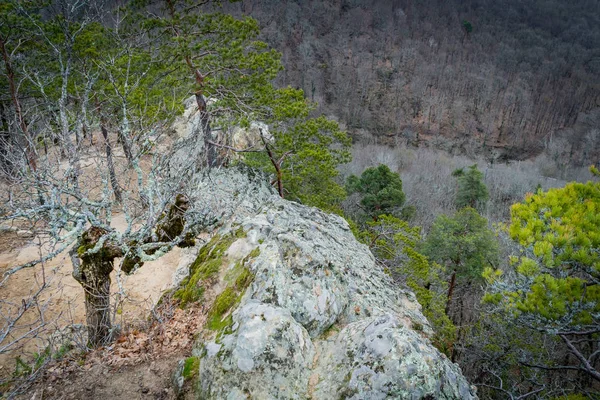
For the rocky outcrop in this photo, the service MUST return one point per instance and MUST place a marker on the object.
(301, 309)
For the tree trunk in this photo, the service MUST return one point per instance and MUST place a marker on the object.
(82, 127)
(126, 146)
(276, 165)
(96, 283)
(450, 291)
(459, 325)
(93, 274)
(211, 150)
(111, 166)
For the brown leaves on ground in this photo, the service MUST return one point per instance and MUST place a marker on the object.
(138, 363)
(172, 331)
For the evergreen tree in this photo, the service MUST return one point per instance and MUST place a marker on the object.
(462, 243)
(472, 192)
(218, 57)
(380, 190)
(303, 153)
(556, 283)
(222, 60)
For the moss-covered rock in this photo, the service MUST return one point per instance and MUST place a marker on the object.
(207, 265)
(190, 367)
(238, 279)
(312, 289)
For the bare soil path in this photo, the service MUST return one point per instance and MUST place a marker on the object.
(61, 305)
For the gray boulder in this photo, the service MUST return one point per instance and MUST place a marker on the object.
(319, 319)
(269, 355)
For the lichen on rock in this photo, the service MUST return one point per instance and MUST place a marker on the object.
(303, 311)
(207, 265)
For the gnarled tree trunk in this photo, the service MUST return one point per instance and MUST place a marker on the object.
(95, 279)
(93, 274)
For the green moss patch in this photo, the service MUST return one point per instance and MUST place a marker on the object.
(219, 316)
(244, 278)
(223, 303)
(207, 265)
(190, 367)
(239, 278)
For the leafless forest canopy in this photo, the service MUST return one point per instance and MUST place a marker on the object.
(525, 80)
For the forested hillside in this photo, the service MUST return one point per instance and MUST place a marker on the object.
(184, 212)
(502, 78)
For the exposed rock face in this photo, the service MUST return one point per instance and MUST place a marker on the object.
(189, 125)
(320, 319)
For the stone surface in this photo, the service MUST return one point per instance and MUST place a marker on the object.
(269, 356)
(379, 358)
(320, 320)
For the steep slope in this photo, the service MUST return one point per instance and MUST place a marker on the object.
(525, 79)
(301, 309)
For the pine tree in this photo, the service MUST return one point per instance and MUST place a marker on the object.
(462, 243)
(556, 284)
(380, 190)
(472, 192)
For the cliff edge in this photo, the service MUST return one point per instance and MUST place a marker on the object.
(299, 309)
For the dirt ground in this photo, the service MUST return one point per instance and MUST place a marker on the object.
(137, 366)
(144, 381)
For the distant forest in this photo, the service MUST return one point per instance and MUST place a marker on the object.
(507, 79)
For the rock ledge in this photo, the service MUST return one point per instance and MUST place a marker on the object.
(319, 319)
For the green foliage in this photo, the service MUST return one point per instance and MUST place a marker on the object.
(236, 69)
(462, 242)
(557, 276)
(317, 147)
(467, 26)
(310, 150)
(380, 189)
(472, 192)
(23, 368)
(552, 288)
(133, 82)
(394, 242)
(572, 397)
(219, 56)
